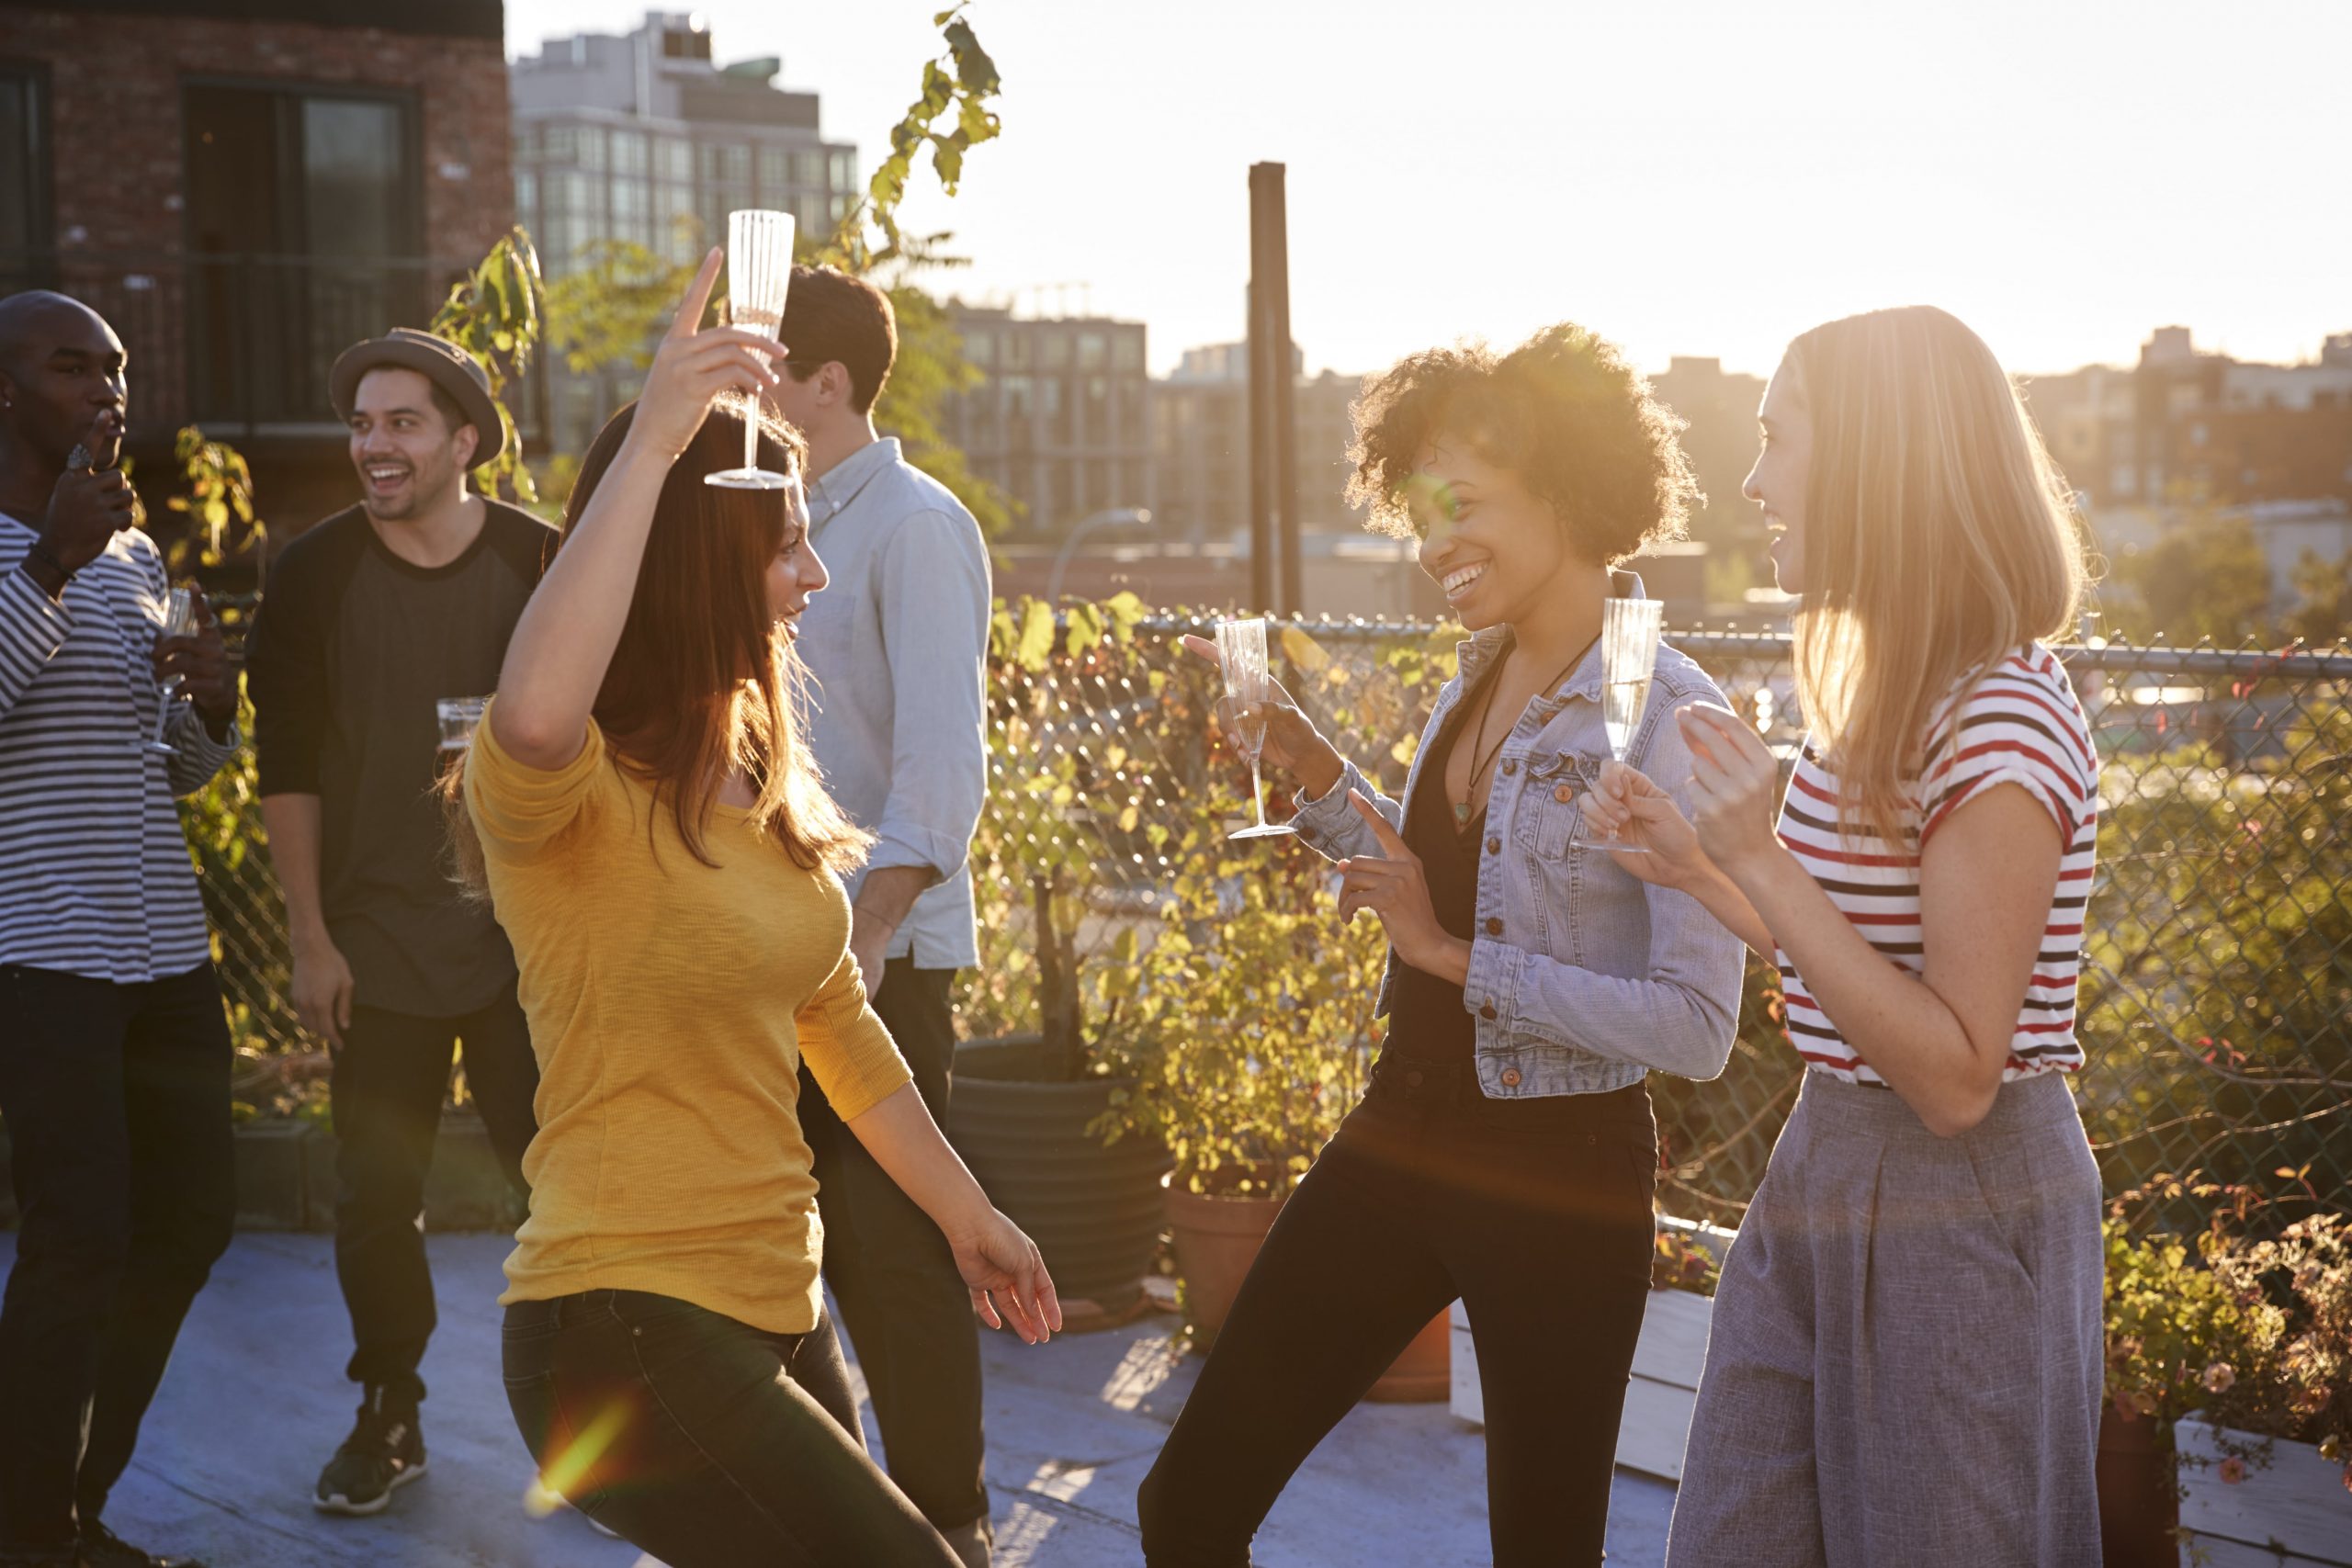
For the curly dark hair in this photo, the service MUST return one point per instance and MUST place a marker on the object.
(1563, 410)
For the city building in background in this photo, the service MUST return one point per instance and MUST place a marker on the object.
(2187, 436)
(246, 199)
(1722, 573)
(643, 138)
(1061, 421)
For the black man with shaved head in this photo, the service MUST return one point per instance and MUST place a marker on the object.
(114, 1066)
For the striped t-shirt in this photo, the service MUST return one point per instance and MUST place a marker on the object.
(2021, 725)
(94, 878)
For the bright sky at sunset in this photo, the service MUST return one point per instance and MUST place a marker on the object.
(1705, 178)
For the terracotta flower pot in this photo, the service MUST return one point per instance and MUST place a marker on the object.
(2139, 1512)
(1217, 1241)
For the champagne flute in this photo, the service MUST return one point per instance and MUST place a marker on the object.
(1629, 630)
(1241, 647)
(459, 717)
(759, 273)
(179, 620)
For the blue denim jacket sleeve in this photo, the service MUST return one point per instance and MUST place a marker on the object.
(1329, 826)
(1681, 1017)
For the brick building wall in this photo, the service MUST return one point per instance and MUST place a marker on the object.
(115, 77)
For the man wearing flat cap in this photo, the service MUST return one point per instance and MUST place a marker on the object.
(372, 619)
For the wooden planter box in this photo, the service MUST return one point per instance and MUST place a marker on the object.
(2291, 1513)
(1659, 1400)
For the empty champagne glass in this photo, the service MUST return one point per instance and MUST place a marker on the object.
(459, 717)
(1248, 685)
(1629, 629)
(179, 620)
(759, 273)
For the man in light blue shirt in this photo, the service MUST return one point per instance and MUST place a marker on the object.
(897, 643)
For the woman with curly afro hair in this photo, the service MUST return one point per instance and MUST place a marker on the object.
(1504, 1153)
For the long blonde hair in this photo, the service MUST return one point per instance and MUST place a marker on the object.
(1938, 539)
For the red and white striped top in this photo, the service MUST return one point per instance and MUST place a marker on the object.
(2021, 726)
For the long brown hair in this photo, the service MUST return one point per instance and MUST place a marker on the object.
(703, 680)
(1938, 539)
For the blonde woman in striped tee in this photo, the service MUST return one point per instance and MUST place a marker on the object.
(1906, 1353)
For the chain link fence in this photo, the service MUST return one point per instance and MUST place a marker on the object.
(2216, 1001)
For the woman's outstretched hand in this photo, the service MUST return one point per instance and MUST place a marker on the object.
(695, 366)
(1002, 1267)
(1293, 743)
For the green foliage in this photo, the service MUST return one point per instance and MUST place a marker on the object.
(610, 311)
(2251, 1330)
(2218, 975)
(2322, 613)
(495, 313)
(2205, 578)
(217, 501)
(951, 116)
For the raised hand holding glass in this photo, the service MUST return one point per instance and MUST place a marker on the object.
(759, 274)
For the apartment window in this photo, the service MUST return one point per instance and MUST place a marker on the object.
(1127, 352)
(723, 162)
(1017, 396)
(1092, 351)
(527, 199)
(304, 224)
(844, 165)
(632, 211)
(809, 169)
(629, 156)
(775, 170)
(1017, 351)
(591, 148)
(560, 143)
(980, 349)
(815, 216)
(25, 216)
(1057, 351)
(673, 159)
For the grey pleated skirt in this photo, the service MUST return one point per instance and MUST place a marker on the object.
(1906, 1363)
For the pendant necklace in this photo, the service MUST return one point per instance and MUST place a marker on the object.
(1478, 763)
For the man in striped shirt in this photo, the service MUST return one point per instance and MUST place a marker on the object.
(114, 1053)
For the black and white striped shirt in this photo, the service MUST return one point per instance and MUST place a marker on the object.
(95, 877)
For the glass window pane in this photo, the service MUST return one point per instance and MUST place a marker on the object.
(730, 162)
(775, 170)
(979, 348)
(809, 169)
(674, 160)
(845, 164)
(592, 146)
(815, 216)
(628, 153)
(24, 221)
(354, 198)
(1092, 351)
(1057, 351)
(1127, 352)
(560, 143)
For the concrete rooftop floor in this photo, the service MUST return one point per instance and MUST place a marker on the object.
(255, 1402)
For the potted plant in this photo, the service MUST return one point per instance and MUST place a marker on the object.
(2229, 1351)
(1045, 1011)
(2265, 1465)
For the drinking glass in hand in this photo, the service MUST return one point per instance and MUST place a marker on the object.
(759, 273)
(179, 620)
(1248, 685)
(1629, 629)
(459, 717)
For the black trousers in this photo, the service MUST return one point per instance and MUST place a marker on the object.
(894, 1277)
(117, 1099)
(703, 1440)
(1535, 1213)
(390, 1077)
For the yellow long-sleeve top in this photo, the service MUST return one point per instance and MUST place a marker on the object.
(670, 1005)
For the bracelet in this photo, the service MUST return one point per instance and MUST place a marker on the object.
(48, 558)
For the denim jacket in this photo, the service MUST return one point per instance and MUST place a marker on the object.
(1582, 976)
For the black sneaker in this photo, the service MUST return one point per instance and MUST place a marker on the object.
(101, 1548)
(386, 1449)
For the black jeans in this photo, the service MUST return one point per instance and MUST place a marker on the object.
(1535, 1213)
(390, 1077)
(117, 1099)
(893, 1276)
(704, 1441)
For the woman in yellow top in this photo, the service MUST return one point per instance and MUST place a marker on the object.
(659, 847)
